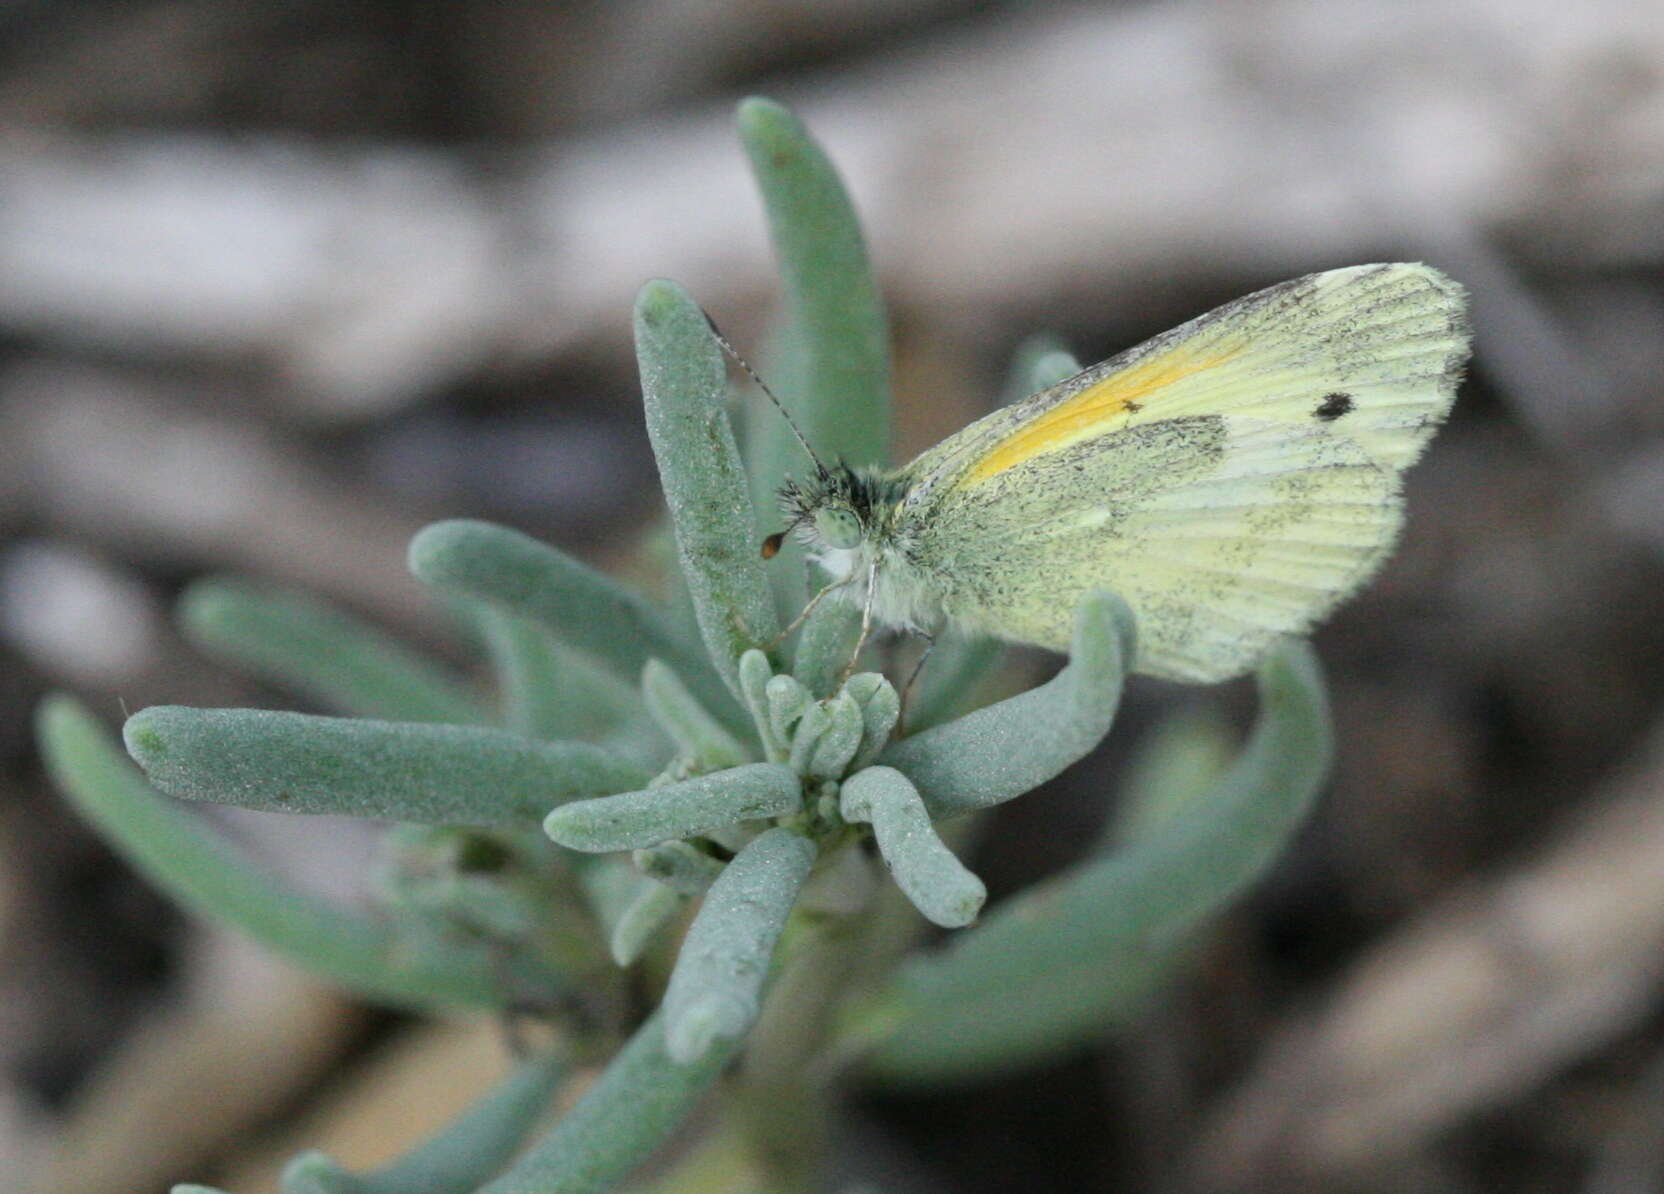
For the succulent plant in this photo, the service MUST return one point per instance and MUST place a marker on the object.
(643, 758)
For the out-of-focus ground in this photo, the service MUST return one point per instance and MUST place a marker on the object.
(281, 282)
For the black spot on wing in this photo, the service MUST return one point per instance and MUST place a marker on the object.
(1333, 406)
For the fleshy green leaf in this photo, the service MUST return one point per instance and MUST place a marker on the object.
(697, 734)
(683, 391)
(649, 910)
(552, 691)
(404, 771)
(715, 991)
(1013, 746)
(928, 874)
(577, 605)
(806, 735)
(704, 804)
(206, 874)
(1174, 765)
(787, 701)
(479, 1142)
(631, 1109)
(832, 299)
(1060, 961)
(880, 707)
(827, 358)
(840, 740)
(756, 676)
(772, 454)
(309, 646)
(830, 633)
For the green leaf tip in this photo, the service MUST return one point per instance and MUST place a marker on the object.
(836, 746)
(660, 300)
(314, 1172)
(1039, 360)
(840, 382)
(1009, 748)
(760, 116)
(652, 907)
(715, 991)
(880, 706)
(813, 722)
(702, 805)
(1051, 368)
(769, 714)
(145, 741)
(936, 882)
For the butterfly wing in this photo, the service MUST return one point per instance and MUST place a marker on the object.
(1232, 479)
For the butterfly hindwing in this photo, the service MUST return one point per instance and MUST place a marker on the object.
(1221, 532)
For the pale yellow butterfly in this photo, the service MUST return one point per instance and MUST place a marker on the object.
(1232, 479)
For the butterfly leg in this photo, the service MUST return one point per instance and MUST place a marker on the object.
(913, 679)
(804, 613)
(866, 623)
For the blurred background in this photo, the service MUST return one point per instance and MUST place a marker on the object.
(281, 282)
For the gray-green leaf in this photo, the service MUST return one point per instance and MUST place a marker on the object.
(318, 650)
(631, 1109)
(715, 991)
(928, 874)
(580, 607)
(405, 771)
(684, 389)
(200, 870)
(704, 804)
(1060, 961)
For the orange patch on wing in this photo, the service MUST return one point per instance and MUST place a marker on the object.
(1080, 417)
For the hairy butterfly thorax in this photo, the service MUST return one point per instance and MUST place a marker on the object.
(852, 523)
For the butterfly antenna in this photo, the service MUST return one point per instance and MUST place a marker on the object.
(763, 386)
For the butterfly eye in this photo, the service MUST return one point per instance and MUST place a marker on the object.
(839, 527)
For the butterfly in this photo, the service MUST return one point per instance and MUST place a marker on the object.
(1233, 480)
